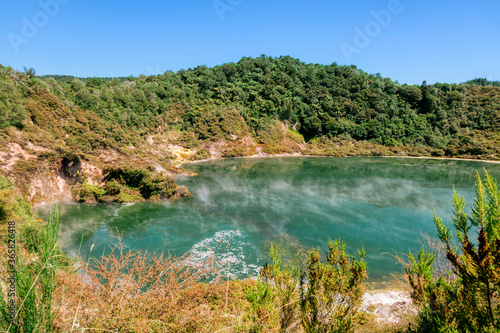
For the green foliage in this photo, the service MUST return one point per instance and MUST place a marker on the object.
(433, 295)
(12, 206)
(127, 184)
(5, 184)
(274, 301)
(35, 284)
(113, 187)
(156, 185)
(13, 89)
(128, 195)
(238, 152)
(333, 294)
(89, 193)
(482, 82)
(324, 298)
(321, 100)
(263, 306)
(286, 285)
(202, 154)
(127, 175)
(268, 132)
(465, 300)
(187, 140)
(122, 182)
(294, 136)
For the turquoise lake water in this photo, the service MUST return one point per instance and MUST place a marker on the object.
(240, 206)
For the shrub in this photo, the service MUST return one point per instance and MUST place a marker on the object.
(324, 298)
(275, 298)
(32, 234)
(137, 183)
(89, 193)
(295, 136)
(113, 187)
(127, 175)
(269, 132)
(157, 185)
(466, 299)
(276, 149)
(13, 207)
(332, 292)
(235, 152)
(128, 195)
(187, 140)
(202, 154)
(5, 184)
(135, 291)
(107, 199)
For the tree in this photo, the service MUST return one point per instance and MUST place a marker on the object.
(30, 72)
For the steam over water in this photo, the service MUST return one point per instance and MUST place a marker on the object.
(240, 206)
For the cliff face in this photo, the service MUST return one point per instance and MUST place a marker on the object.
(41, 179)
(49, 176)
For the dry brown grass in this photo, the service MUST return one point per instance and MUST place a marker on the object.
(126, 291)
(135, 291)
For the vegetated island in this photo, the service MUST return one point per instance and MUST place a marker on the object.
(121, 139)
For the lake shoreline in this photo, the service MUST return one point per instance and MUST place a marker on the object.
(264, 155)
(444, 158)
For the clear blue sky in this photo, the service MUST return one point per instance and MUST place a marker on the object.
(437, 41)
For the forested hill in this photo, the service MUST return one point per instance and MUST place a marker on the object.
(272, 104)
(317, 100)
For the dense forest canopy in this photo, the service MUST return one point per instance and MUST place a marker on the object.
(482, 82)
(319, 101)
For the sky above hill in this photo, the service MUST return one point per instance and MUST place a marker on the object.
(406, 40)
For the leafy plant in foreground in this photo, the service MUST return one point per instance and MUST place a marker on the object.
(275, 299)
(35, 283)
(467, 299)
(333, 292)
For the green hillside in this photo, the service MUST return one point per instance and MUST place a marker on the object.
(258, 105)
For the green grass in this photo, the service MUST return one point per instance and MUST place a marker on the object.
(35, 281)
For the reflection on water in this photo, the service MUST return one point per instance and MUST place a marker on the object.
(241, 206)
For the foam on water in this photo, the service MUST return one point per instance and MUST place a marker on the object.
(229, 247)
